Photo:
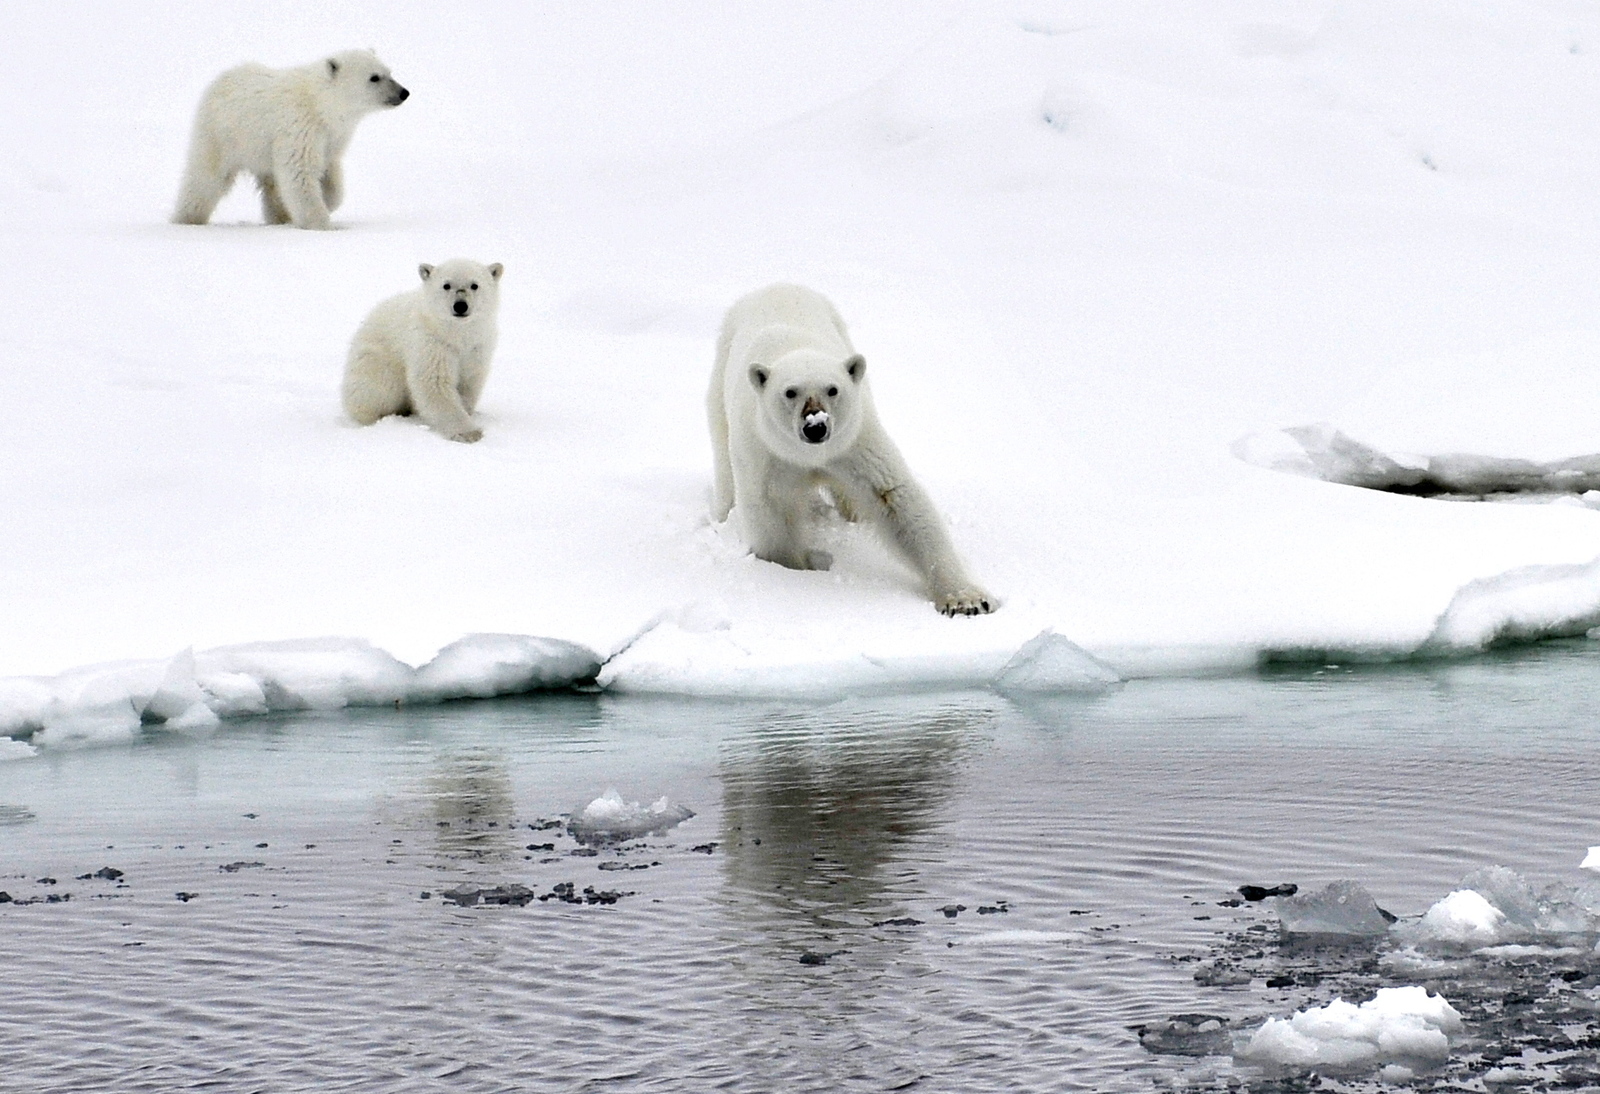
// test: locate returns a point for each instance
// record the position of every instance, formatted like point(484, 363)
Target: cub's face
point(460, 289)
point(365, 80)
point(807, 405)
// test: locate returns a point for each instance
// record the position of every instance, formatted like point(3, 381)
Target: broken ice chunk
point(1344, 907)
point(609, 819)
point(1401, 1026)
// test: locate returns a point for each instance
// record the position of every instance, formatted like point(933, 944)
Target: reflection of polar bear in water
point(790, 416)
point(286, 126)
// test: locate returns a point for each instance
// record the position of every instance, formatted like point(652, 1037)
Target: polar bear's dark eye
point(790, 394)
point(374, 78)
point(474, 286)
point(447, 286)
point(832, 391)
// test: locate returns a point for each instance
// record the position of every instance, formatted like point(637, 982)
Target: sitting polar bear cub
point(427, 351)
point(286, 126)
point(791, 414)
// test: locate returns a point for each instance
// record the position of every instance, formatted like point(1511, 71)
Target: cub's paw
point(965, 602)
point(467, 436)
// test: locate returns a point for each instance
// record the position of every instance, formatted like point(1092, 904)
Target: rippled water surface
point(279, 923)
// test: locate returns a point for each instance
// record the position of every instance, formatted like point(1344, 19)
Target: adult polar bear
point(287, 126)
point(790, 415)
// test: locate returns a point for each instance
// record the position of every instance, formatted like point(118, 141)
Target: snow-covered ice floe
point(1399, 1030)
point(194, 691)
point(609, 819)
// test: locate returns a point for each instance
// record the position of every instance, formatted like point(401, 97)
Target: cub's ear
point(758, 376)
point(857, 367)
point(333, 68)
point(495, 270)
point(425, 270)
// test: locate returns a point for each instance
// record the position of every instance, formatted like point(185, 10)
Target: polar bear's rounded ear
point(856, 366)
point(333, 68)
point(758, 376)
point(495, 270)
point(425, 270)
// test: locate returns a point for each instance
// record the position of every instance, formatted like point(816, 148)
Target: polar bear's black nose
point(461, 307)
point(815, 432)
point(400, 95)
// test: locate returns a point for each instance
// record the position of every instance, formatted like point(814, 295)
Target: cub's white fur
point(427, 351)
point(289, 128)
point(791, 416)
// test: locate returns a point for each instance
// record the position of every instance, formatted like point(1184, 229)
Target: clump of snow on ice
point(1049, 662)
point(481, 666)
point(1495, 907)
point(1591, 861)
point(15, 750)
point(1401, 1028)
point(1522, 604)
point(178, 701)
point(1464, 916)
point(1343, 907)
point(609, 819)
point(316, 673)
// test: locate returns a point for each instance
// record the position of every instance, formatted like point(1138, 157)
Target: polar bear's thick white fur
point(289, 128)
point(791, 418)
point(427, 351)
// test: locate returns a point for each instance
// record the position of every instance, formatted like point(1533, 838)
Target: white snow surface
point(1400, 1026)
point(1085, 246)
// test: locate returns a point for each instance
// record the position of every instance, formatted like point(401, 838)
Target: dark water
point(1109, 829)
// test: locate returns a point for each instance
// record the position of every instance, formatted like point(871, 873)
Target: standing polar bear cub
point(790, 416)
point(289, 128)
point(427, 351)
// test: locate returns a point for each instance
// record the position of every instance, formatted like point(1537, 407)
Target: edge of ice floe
point(195, 691)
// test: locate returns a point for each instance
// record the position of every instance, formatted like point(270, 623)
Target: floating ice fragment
point(1591, 861)
point(1344, 907)
point(1495, 906)
point(1187, 1035)
point(1049, 662)
point(609, 819)
point(1400, 1026)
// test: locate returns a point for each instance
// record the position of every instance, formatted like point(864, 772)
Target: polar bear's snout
point(814, 422)
point(398, 95)
point(461, 308)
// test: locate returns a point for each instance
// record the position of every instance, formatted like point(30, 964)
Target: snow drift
point(1084, 247)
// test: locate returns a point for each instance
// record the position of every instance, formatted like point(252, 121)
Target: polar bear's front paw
point(965, 602)
point(467, 436)
point(818, 560)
